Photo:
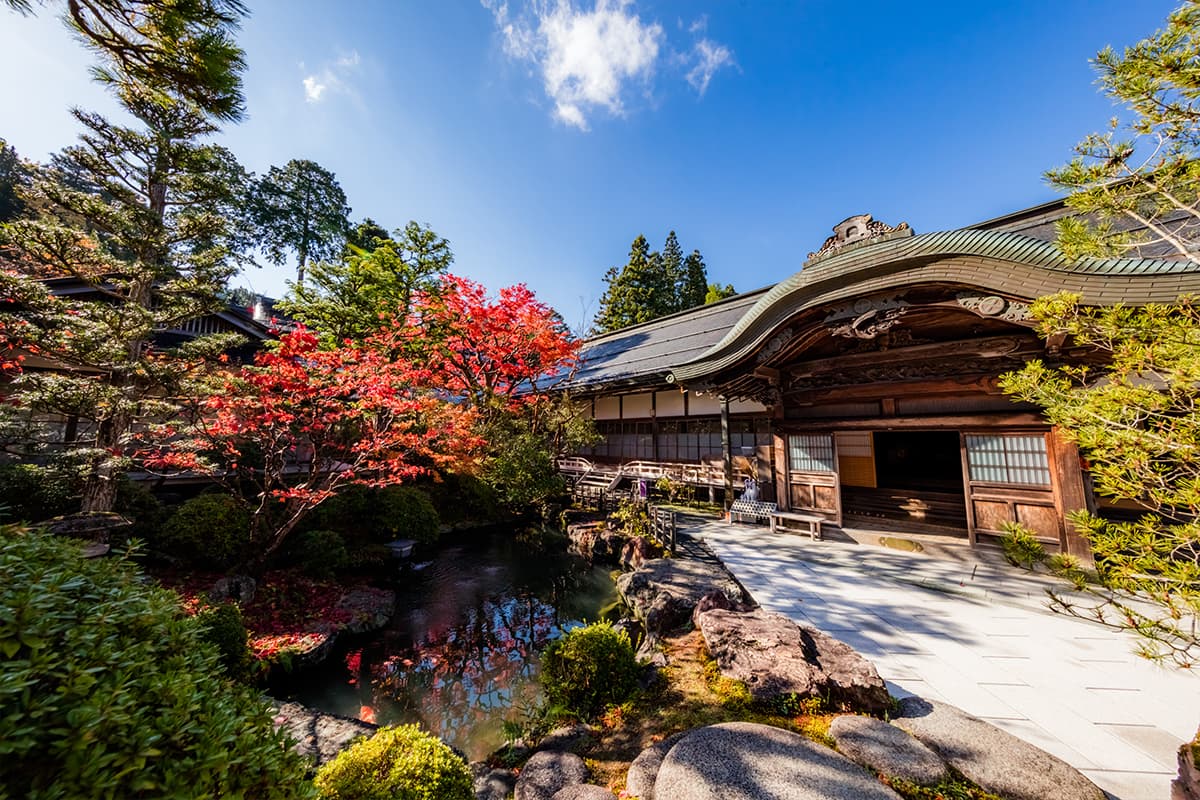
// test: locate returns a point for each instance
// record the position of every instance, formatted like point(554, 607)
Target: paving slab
point(977, 634)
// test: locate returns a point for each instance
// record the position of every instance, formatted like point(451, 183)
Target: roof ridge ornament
point(857, 229)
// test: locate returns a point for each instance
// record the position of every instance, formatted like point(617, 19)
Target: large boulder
point(1186, 785)
point(746, 761)
point(996, 760)
point(317, 735)
point(492, 784)
point(548, 772)
point(873, 743)
point(775, 657)
point(636, 551)
point(639, 782)
point(663, 592)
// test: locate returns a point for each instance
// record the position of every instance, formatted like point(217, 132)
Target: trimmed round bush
point(211, 530)
point(405, 512)
point(400, 763)
point(320, 553)
point(107, 690)
point(590, 669)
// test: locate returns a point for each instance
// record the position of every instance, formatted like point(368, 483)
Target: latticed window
point(810, 452)
point(1008, 459)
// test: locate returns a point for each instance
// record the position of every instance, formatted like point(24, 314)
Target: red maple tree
point(301, 423)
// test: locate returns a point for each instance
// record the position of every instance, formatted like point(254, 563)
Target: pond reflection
point(463, 648)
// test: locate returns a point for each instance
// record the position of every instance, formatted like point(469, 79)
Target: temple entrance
point(916, 478)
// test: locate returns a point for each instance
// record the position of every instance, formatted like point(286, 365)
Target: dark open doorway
point(918, 481)
point(920, 460)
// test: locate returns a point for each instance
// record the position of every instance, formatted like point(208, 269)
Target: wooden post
point(726, 452)
point(1072, 491)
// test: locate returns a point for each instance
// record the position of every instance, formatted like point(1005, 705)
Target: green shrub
point(590, 668)
point(211, 530)
point(1020, 545)
point(106, 689)
point(33, 493)
point(223, 627)
point(139, 505)
point(407, 513)
point(401, 763)
point(320, 553)
point(459, 498)
point(364, 516)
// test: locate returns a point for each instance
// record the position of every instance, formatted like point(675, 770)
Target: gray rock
point(663, 592)
point(1186, 785)
point(238, 588)
point(886, 749)
point(746, 761)
point(317, 735)
point(568, 737)
point(369, 609)
point(995, 759)
point(86, 524)
point(584, 791)
point(548, 772)
point(774, 657)
point(637, 551)
point(492, 784)
point(639, 782)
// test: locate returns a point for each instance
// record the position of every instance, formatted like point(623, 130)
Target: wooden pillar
point(726, 452)
point(1072, 491)
point(783, 493)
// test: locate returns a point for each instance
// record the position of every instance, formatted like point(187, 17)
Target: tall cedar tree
point(301, 208)
point(147, 231)
point(695, 281)
point(651, 285)
point(1142, 173)
point(348, 299)
point(14, 175)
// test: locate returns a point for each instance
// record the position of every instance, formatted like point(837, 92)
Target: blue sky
point(541, 136)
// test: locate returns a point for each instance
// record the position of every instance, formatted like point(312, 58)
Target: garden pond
point(461, 654)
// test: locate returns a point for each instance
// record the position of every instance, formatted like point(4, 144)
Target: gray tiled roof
point(645, 353)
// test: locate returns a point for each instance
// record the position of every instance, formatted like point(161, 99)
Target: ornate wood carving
point(993, 306)
point(859, 228)
point(869, 324)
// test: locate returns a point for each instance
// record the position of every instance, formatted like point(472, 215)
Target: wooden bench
point(754, 509)
point(812, 520)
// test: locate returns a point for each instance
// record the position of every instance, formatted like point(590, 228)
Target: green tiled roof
point(1000, 261)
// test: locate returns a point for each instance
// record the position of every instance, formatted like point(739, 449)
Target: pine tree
point(695, 281)
point(671, 264)
point(143, 220)
point(13, 176)
point(629, 298)
point(301, 207)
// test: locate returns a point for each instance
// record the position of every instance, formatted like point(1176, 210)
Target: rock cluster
point(886, 749)
point(664, 592)
point(775, 657)
point(546, 773)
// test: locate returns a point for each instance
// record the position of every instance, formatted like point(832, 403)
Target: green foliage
point(1142, 171)
point(408, 513)
point(320, 553)
point(1021, 546)
point(106, 689)
point(301, 208)
point(651, 285)
point(356, 295)
point(590, 668)
point(1133, 414)
point(139, 505)
point(33, 493)
point(212, 530)
point(222, 626)
point(398, 763)
point(717, 292)
point(675, 491)
point(631, 517)
point(14, 175)
point(520, 466)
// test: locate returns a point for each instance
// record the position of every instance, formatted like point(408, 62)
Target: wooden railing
point(662, 527)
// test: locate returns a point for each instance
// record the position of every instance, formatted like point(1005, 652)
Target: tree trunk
point(100, 486)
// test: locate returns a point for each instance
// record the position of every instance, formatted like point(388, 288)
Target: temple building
point(865, 386)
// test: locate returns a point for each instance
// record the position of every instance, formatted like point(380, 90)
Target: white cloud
point(585, 57)
point(706, 58)
point(332, 78)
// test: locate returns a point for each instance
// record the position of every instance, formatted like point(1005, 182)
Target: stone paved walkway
point(977, 635)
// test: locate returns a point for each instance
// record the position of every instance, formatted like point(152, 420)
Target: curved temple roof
point(1006, 263)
